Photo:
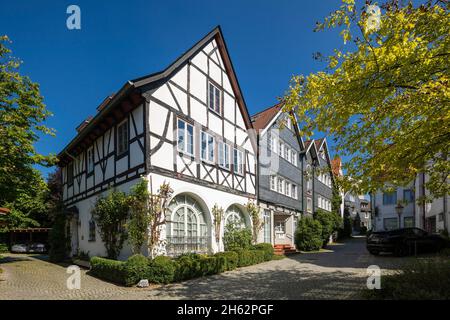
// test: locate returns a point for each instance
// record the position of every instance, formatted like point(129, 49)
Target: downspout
point(302, 155)
point(313, 188)
point(257, 170)
point(423, 200)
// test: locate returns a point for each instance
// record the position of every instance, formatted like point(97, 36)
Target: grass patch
point(419, 279)
point(278, 257)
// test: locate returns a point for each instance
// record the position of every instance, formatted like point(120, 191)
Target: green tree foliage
point(308, 235)
point(384, 99)
point(330, 223)
point(137, 225)
point(110, 213)
point(22, 113)
point(235, 237)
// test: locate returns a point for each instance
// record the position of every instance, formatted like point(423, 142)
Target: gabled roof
point(319, 143)
point(132, 88)
point(336, 165)
point(263, 118)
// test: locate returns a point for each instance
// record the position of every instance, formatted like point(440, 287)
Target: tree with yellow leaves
point(385, 100)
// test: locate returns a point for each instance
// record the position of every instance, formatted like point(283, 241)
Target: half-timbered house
point(187, 125)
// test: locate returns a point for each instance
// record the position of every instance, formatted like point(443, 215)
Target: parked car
point(37, 247)
point(404, 241)
point(31, 248)
point(19, 248)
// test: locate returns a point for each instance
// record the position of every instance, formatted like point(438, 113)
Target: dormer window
point(215, 98)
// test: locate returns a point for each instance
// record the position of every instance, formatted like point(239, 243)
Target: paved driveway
point(338, 273)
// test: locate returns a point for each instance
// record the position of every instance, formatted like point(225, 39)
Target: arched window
point(235, 216)
point(187, 230)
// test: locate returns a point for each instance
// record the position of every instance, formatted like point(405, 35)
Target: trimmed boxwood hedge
point(164, 269)
point(267, 248)
point(250, 257)
point(161, 270)
point(107, 269)
point(231, 259)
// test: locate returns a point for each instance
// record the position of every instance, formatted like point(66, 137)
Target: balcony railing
point(176, 245)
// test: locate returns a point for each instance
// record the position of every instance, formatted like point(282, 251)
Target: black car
point(404, 241)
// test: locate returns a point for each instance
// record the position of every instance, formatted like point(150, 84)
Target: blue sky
point(269, 41)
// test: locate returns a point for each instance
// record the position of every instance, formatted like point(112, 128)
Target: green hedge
point(3, 248)
point(136, 268)
point(231, 259)
point(249, 257)
point(267, 248)
point(107, 269)
point(162, 270)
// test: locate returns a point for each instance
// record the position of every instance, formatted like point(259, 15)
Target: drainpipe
point(303, 182)
point(423, 201)
point(313, 188)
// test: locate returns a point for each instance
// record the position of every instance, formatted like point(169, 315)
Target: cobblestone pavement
point(338, 273)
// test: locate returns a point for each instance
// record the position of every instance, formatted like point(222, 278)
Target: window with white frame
point(287, 188)
point(185, 142)
point(224, 155)
point(273, 143)
point(90, 160)
point(287, 152)
point(215, 98)
point(273, 183)
point(309, 204)
point(294, 191)
point(280, 183)
point(122, 137)
point(238, 161)
point(289, 123)
point(281, 148)
point(294, 157)
point(308, 178)
point(207, 147)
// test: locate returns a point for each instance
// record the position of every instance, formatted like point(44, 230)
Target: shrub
point(3, 248)
point(428, 279)
point(308, 235)
point(267, 248)
point(161, 270)
point(187, 267)
point(107, 269)
point(137, 268)
point(363, 230)
point(249, 257)
point(237, 238)
point(208, 266)
point(58, 239)
point(327, 222)
point(231, 259)
point(346, 231)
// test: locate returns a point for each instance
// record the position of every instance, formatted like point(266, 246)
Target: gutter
point(128, 85)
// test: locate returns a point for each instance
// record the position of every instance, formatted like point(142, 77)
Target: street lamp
point(399, 209)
